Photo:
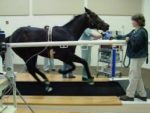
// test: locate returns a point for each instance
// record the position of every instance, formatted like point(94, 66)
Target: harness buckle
point(63, 46)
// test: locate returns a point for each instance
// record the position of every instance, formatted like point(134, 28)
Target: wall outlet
point(7, 22)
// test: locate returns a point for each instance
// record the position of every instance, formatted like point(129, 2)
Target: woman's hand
point(96, 34)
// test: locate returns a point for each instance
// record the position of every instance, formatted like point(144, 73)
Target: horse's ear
point(87, 10)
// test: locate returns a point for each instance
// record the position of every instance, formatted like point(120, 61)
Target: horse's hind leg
point(41, 74)
point(46, 81)
point(31, 66)
point(31, 69)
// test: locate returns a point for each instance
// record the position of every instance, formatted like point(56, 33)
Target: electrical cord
point(124, 61)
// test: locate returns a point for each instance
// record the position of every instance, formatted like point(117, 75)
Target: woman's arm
point(123, 37)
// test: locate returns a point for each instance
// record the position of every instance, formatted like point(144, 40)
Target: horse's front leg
point(77, 59)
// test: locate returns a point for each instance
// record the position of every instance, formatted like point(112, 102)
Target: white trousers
point(135, 78)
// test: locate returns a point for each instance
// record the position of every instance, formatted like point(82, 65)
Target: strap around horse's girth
point(50, 38)
point(49, 32)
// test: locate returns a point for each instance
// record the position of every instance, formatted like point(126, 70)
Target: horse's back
point(61, 34)
point(33, 34)
point(29, 34)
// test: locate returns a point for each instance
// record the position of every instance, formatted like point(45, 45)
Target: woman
point(137, 51)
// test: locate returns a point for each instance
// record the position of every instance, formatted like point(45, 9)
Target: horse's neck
point(78, 26)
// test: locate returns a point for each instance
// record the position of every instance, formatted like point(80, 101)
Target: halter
point(91, 22)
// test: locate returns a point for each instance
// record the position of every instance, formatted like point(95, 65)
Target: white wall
point(116, 23)
point(146, 12)
point(146, 9)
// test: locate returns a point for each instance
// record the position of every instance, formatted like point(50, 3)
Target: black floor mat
point(71, 89)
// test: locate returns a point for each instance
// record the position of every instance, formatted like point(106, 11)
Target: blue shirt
point(87, 35)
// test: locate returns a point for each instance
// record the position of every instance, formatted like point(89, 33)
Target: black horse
point(68, 32)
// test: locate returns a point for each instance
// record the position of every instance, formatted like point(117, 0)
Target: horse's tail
point(3, 53)
point(7, 39)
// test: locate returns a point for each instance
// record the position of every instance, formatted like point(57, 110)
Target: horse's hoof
point(71, 76)
point(47, 86)
point(48, 89)
point(88, 78)
point(90, 81)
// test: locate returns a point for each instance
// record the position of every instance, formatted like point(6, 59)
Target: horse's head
point(95, 22)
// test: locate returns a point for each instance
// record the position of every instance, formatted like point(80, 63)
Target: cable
point(126, 66)
point(48, 38)
point(35, 55)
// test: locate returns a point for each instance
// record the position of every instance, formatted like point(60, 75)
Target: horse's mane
point(73, 20)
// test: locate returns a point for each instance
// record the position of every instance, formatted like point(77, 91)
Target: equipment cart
point(105, 60)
